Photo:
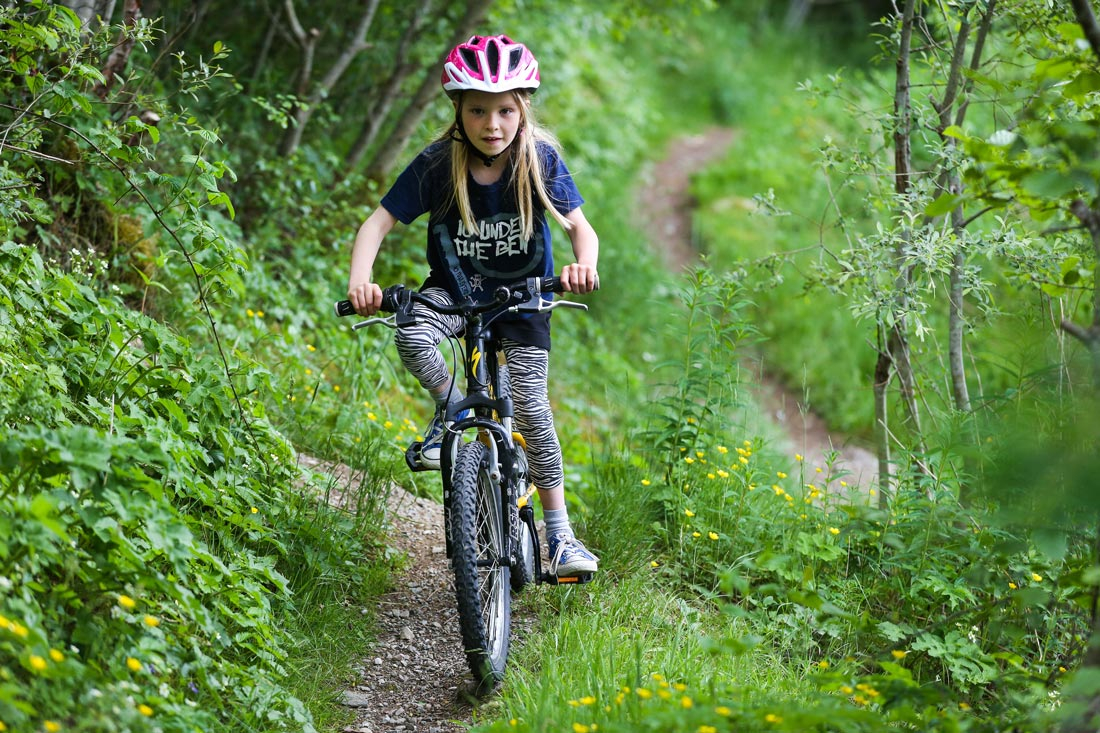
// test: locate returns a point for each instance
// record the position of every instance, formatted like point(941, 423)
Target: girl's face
point(491, 120)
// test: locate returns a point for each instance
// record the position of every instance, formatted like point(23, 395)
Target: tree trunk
point(882, 429)
point(893, 356)
point(797, 12)
point(265, 49)
point(387, 154)
point(1089, 336)
point(1090, 217)
point(116, 62)
point(384, 97)
point(293, 137)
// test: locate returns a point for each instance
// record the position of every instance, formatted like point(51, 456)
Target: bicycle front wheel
point(480, 562)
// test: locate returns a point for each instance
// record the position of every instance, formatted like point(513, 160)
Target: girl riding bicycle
point(488, 184)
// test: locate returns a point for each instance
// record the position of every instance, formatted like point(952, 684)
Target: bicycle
point(489, 523)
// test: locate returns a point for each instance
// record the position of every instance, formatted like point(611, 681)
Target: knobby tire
point(479, 561)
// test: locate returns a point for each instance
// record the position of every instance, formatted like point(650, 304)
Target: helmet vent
point(514, 58)
point(492, 51)
point(470, 57)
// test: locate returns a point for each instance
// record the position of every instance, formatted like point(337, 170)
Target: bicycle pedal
point(579, 579)
point(413, 459)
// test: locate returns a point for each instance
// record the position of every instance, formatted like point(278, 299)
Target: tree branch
point(1087, 20)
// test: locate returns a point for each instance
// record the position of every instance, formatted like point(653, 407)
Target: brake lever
point(387, 321)
point(538, 305)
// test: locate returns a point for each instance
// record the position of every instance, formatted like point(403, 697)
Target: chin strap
point(458, 134)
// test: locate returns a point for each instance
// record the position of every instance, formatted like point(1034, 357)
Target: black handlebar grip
point(343, 308)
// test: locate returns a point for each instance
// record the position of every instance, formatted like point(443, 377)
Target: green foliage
point(165, 561)
point(145, 523)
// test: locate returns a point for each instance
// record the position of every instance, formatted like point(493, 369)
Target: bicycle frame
point(492, 411)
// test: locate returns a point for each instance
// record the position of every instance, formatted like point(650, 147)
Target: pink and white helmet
point(490, 64)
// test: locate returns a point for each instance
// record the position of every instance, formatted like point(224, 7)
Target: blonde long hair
point(528, 177)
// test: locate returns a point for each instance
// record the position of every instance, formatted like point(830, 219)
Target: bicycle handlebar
point(397, 298)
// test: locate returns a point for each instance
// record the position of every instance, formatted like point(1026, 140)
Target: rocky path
point(415, 678)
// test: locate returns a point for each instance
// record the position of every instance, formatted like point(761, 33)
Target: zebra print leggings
point(528, 368)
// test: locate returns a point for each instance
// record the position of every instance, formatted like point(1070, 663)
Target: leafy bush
point(153, 519)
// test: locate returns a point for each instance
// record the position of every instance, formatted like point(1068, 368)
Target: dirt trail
point(415, 678)
point(666, 204)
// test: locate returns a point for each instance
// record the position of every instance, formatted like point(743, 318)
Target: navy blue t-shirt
point(473, 264)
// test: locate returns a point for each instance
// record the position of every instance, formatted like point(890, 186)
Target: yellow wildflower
point(773, 718)
point(38, 664)
point(57, 656)
point(780, 474)
point(686, 702)
point(689, 513)
point(51, 726)
point(1036, 577)
point(152, 621)
point(723, 710)
point(723, 474)
point(127, 602)
point(696, 534)
point(707, 729)
point(798, 457)
point(643, 693)
point(898, 654)
point(723, 449)
point(823, 664)
point(645, 482)
point(145, 710)
point(712, 535)
point(834, 531)
point(133, 664)
point(1012, 586)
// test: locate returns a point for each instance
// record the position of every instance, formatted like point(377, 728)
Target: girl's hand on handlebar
point(366, 297)
point(580, 279)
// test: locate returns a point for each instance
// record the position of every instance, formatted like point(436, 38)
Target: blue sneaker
point(433, 439)
point(568, 557)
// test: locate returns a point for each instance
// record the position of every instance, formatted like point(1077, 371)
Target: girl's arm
point(581, 276)
point(364, 294)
